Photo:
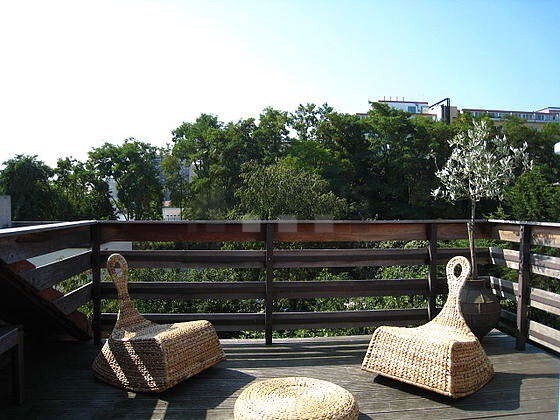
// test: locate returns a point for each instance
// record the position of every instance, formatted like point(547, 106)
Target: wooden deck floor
point(60, 383)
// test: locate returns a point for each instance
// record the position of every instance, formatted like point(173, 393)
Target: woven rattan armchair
point(143, 356)
point(443, 355)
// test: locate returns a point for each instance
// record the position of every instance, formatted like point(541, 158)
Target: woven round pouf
point(295, 398)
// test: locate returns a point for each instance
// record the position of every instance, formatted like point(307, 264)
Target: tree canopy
point(134, 168)
point(382, 164)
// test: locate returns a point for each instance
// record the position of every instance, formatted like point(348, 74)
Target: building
point(533, 118)
point(170, 213)
point(439, 111)
point(413, 107)
point(419, 108)
point(444, 111)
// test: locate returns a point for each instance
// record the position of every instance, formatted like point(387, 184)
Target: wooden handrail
point(42, 228)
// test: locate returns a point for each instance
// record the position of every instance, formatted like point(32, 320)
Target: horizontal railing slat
point(305, 258)
point(347, 319)
point(503, 288)
point(188, 290)
point(350, 288)
point(540, 299)
point(290, 320)
point(544, 335)
point(48, 275)
point(543, 265)
point(365, 231)
point(545, 300)
point(539, 333)
point(347, 257)
point(546, 236)
point(299, 258)
point(281, 289)
point(348, 231)
point(284, 231)
point(182, 231)
point(540, 235)
point(75, 299)
point(221, 321)
point(190, 258)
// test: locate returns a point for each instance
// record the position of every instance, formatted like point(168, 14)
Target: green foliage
point(383, 165)
point(307, 118)
point(176, 180)
point(272, 135)
point(27, 180)
point(134, 168)
point(405, 153)
point(283, 189)
point(83, 193)
point(218, 152)
point(540, 143)
point(534, 196)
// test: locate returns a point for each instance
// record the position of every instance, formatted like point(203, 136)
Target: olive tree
point(480, 166)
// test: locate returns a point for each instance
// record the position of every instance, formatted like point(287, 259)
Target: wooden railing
point(526, 262)
point(283, 245)
point(272, 236)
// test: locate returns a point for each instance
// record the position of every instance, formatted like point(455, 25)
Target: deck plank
point(60, 383)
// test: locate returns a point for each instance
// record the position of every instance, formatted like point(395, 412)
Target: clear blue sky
point(75, 74)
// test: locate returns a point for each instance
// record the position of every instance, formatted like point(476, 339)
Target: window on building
point(412, 109)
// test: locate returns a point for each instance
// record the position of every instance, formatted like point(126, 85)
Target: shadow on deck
point(60, 383)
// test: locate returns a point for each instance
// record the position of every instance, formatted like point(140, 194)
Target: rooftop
point(526, 383)
point(402, 101)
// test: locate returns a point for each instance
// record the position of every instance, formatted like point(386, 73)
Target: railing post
point(523, 286)
point(431, 234)
point(96, 279)
point(269, 297)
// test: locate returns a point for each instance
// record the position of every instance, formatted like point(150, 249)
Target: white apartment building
point(438, 111)
point(413, 107)
point(545, 115)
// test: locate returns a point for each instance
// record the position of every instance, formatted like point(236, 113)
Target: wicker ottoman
point(295, 398)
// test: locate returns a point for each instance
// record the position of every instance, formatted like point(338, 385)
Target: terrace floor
point(60, 383)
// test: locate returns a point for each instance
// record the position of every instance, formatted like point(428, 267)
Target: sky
point(75, 74)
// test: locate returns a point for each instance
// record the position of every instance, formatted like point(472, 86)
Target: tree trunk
point(471, 230)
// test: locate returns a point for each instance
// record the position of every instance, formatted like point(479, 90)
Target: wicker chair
point(142, 356)
point(443, 355)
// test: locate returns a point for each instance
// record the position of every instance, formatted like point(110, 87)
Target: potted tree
point(480, 166)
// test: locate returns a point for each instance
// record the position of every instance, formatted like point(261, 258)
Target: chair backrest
point(450, 315)
point(118, 270)
point(456, 282)
point(128, 316)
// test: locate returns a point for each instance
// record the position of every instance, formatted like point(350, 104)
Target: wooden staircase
point(28, 296)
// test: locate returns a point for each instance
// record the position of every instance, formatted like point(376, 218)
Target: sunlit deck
point(60, 383)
